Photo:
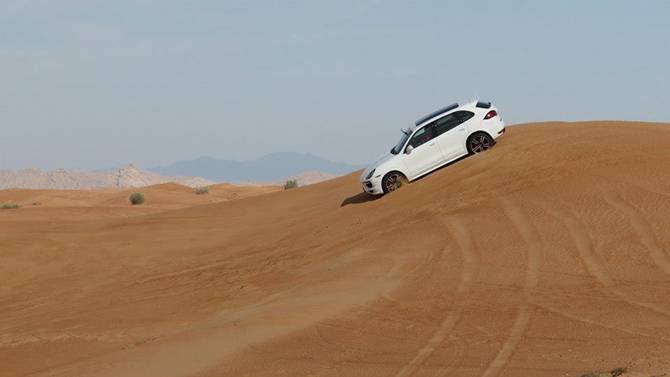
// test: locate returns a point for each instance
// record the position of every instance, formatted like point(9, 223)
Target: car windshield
point(401, 143)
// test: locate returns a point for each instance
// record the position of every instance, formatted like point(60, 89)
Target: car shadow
point(360, 198)
point(365, 197)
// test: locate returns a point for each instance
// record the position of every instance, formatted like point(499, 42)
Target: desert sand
point(545, 256)
point(61, 206)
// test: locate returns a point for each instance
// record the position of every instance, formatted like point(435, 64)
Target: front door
point(426, 153)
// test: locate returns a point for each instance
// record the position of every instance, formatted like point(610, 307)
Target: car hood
point(377, 163)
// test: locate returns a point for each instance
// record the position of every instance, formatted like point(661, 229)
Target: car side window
point(464, 116)
point(446, 123)
point(421, 136)
point(452, 120)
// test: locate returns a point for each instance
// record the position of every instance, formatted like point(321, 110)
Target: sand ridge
point(546, 255)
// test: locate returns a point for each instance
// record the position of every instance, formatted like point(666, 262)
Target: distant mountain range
point(64, 179)
point(272, 169)
point(269, 168)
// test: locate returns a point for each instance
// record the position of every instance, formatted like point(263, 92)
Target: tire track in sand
point(593, 263)
point(524, 225)
point(594, 322)
point(469, 275)
point(643, 229)
point(398, 264)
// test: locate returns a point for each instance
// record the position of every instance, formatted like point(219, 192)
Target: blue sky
point(94, 84)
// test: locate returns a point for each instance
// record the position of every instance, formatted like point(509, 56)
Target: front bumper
point(372, 186)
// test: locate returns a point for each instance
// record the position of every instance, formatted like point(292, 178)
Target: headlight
point(370, 175)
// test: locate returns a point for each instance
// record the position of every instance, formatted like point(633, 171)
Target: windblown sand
point(546, 256)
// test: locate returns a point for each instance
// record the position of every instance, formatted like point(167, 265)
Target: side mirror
point(409, 149)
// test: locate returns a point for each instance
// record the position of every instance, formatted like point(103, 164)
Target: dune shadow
point(360, 198)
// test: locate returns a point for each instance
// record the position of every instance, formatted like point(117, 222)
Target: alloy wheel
point(480, 143)
point(393, 182)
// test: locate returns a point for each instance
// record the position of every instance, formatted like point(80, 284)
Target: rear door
point(452, 130)
point(426, 153)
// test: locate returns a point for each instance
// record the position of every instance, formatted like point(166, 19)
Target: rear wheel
point(479, 142)
point(393, 181)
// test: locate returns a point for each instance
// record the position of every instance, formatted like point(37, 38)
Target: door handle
point(431, 144)
point(462, 129)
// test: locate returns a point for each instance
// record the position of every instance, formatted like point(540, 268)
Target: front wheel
point(392, 181)
point(479, 142)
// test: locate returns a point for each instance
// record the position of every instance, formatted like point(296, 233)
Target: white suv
point(466, 127)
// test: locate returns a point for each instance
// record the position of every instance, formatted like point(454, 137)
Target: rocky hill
point(128, 176)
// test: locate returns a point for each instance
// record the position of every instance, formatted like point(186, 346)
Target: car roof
point(435, 114)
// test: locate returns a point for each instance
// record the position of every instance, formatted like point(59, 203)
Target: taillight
point(490, 114)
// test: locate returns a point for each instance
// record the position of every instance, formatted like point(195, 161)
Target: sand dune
point(304, 179)
point(40, 206)
point(545, 256)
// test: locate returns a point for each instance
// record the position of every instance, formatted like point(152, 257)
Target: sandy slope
point(546, 256)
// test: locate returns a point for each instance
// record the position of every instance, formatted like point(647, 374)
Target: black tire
point(392, 181)
point(479, 142)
